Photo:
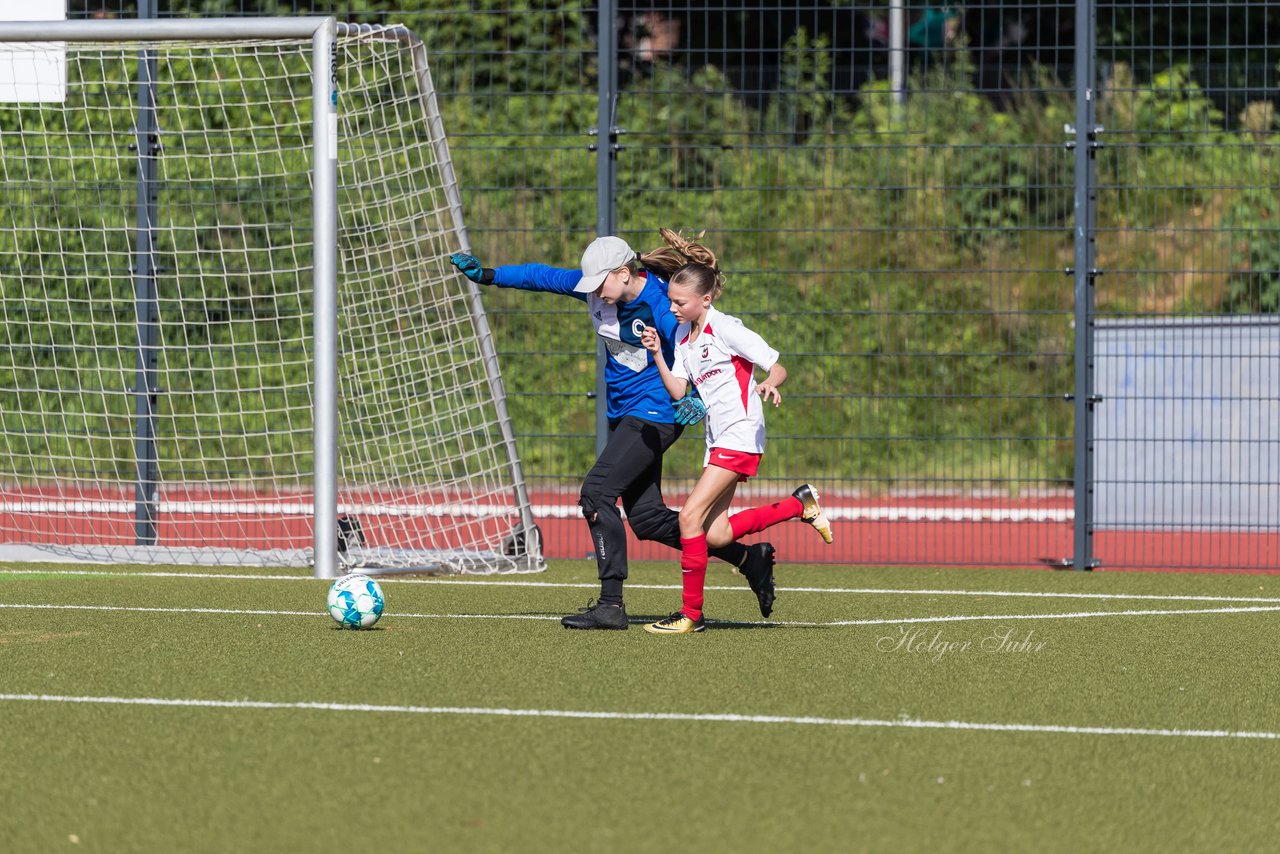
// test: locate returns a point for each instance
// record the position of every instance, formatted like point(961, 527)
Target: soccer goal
point(230, 332)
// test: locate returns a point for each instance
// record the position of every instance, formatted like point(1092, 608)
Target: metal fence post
point(606, 176)
point(1084, 272)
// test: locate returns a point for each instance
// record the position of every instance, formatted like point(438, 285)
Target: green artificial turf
point(112, 777)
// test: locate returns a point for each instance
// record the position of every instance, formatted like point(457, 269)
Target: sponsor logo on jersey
point(708, 375)
point(628, 355)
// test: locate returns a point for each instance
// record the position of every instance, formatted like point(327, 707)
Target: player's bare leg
point(712, 494)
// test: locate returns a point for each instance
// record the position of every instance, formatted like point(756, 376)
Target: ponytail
point(678, 252)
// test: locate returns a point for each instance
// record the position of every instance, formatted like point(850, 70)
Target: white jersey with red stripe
point(720, 363)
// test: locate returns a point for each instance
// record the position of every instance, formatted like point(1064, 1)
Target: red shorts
point(744, 463)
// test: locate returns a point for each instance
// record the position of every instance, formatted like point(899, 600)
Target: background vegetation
point(907, 259)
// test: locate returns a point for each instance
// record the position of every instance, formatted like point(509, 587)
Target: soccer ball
point(355, 601)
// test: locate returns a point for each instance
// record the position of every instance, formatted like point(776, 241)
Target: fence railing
point(1022, 259)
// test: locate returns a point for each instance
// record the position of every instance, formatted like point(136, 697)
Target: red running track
point(920, 530)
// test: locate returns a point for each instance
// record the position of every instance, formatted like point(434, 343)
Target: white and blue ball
point(355, 601)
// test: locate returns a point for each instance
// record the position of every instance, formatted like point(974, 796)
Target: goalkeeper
point(624, 293)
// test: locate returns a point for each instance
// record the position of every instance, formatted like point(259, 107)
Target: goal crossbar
point(168, 29)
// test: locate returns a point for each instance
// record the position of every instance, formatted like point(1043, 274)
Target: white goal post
point(231, 334)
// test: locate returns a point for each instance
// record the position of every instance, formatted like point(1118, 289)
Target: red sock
point(756, 519)
point(693, 573)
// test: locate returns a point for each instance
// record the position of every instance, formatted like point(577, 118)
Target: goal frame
point(323, 32)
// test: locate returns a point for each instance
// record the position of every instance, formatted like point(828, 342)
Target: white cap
point(603, 256)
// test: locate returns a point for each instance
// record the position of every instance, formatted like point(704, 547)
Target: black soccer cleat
point(758, 569)
point(597, 615)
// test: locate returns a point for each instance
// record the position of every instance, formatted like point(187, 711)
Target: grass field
point(875, 712)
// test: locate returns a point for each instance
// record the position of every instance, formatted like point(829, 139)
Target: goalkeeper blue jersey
point(632, 383)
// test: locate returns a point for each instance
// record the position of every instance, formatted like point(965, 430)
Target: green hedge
point(906, 261)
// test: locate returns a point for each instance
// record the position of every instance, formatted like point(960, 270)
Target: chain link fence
point(1021, 259)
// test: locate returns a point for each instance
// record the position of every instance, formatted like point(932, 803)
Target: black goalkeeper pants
point(630, 468)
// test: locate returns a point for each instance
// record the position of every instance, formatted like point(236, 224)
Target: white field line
point(480, 582)
point(948, 618)
point(1065, 616)
point(302, 508)
point(900, 723)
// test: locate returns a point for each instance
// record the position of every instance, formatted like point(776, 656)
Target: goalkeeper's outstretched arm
point(525, 277)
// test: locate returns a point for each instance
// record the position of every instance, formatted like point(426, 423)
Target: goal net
point(219, 346)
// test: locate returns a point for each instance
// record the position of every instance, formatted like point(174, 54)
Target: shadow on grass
point(731, 624)
point(638, 620)
point(641, 619)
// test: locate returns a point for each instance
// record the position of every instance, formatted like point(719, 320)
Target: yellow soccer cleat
point(676, 624)
point(811, 511)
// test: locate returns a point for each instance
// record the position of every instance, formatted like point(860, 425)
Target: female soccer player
point(625, 292)
point(718, 355)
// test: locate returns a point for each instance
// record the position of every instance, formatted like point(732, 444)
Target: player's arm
point(689, 408)
point(768, 387)
point(525, 277)
point(676, 386)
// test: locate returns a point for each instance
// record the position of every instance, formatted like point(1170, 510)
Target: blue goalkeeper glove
point(690, 409)
point(469, 266)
